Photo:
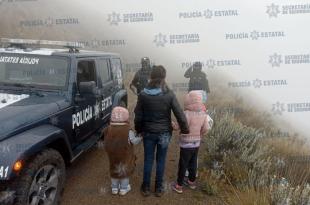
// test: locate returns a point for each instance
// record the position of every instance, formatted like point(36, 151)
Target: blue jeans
point(119, 183)
point(160, 142)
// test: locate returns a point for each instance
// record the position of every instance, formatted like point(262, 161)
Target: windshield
point(33, 70)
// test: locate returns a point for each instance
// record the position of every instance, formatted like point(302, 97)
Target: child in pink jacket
point(197, 119)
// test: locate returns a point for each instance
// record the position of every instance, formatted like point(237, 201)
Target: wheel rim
point(44, 186)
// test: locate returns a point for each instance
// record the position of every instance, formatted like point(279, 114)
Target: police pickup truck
point(54, 105)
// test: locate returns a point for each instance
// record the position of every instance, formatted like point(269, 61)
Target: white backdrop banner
point(259, 49)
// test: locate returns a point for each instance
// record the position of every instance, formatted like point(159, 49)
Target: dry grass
point(260, 165)
point(255, 169)
point(247, 197)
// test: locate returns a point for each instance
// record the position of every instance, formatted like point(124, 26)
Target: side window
point(117, 71)
point(2, 72)
point(104, 70)
point(86, 71)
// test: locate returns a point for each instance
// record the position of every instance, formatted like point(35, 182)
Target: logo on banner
point(208, 14)
point(254, 35)
point(278, 108)
point(213, 64)
point(276, 60)
point(49, 22)
point(116, 18)
point(161, 40)
point(96, 43)
point(274, 10)
point(257, 83)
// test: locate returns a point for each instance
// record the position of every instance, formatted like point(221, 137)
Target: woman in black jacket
point(153, 121)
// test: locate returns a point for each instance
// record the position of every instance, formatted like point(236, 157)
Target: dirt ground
point(88, 182)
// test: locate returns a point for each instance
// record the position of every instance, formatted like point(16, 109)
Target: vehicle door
point(106, 89)
point(83, 118)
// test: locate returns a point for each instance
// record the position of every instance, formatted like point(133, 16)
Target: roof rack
point(25, 43)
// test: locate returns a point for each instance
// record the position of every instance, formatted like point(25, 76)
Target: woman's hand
point(175, 125)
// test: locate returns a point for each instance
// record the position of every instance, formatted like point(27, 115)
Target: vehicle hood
point(20, 110)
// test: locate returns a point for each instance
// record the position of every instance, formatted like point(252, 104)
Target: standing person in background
point(197, 78)
point(141, 77)
point(153, 121)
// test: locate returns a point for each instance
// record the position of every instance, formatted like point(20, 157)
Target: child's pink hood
point(193, 101)
point(119, 115)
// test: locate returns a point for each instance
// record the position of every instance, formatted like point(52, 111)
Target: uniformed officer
point(141, 77)
point(197, 78)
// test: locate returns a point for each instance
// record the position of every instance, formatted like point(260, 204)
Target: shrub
point(256, 169)
point(239, 151)
point(210, 184)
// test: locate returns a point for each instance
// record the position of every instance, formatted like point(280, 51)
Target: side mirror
point(88, 88)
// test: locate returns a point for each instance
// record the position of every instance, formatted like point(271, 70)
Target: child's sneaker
point(190, 184)
point(177, 188)
point(114, 191)
point(123, 192)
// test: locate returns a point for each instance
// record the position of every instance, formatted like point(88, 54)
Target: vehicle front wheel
point(42, 180)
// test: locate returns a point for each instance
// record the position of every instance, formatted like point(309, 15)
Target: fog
point(257, 49)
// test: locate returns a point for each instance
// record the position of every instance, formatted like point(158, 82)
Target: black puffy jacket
point(153, 111)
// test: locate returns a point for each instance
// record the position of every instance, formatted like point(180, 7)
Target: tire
point(42, 180)
point(123, 104)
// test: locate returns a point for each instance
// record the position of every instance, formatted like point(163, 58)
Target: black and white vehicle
point(54, 105)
